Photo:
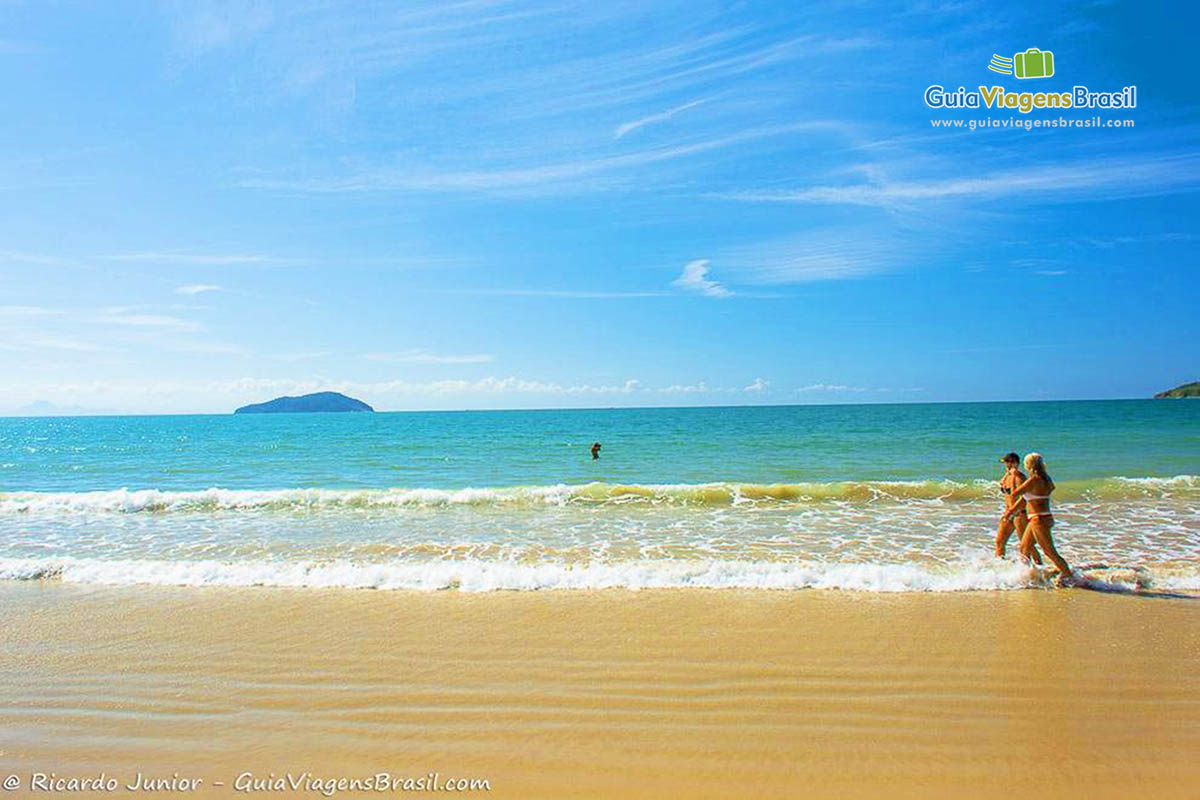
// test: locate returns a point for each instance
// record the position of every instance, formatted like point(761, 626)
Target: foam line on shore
point(130, 501)
point(475, 575)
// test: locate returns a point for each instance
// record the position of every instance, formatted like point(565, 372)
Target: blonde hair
point(1036, 465)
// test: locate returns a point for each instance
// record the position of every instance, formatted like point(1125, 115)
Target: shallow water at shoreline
point(867, 498)
point(924, 545)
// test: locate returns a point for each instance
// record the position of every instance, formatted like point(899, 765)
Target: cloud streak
point(629, 127)
point(830, 387)
point(695, 279)
point(1091, 180)
point(191, 290)
point(152, 321)
point(568, 294)
point(827, 254)
point(572, 176)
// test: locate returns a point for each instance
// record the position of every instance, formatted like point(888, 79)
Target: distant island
point(320, 401)
point(1186, 390)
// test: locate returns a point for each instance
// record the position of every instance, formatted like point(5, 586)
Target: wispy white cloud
point(492, 385)
point(695, 279)
point(107, 329)
point(525, 124)
point(567, 175)
point(529, 73)
point(427, 357)
point(841, 388)
point(155, 321)
point(831, 387)
point(193, 289)
point(32, 328)
point(1151, 238)
point(1097, 179)
point(686, 388)
point(581, 294)
point(735, 57)
point(628, 127)
point(758, 386)
point(461, 388)
point(168, 394)
point(827, 254)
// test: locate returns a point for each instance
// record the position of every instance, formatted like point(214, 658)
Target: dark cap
point(1009, 458)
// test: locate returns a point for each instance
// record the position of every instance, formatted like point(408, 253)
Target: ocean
point(873, 498)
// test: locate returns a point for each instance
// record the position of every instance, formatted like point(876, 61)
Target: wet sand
point(668, 693)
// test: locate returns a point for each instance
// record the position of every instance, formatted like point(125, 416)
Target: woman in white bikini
point(1013, 477)
point(1036, 490)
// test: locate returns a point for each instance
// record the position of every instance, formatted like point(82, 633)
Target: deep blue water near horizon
point(753, 444)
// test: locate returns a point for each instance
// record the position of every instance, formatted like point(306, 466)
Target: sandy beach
point(606, 694)
point(565, 400)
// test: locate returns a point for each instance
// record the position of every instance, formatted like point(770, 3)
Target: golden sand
point(668, 693)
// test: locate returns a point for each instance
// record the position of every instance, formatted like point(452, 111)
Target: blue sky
point(507, 204)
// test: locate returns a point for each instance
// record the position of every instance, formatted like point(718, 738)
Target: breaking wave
point(477, 575)
point(128, 501)
point(482, 576)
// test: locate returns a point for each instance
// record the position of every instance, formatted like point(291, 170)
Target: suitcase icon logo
point(1033, 63)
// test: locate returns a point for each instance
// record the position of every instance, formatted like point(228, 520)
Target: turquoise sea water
point(781, 444)
point(863, 497)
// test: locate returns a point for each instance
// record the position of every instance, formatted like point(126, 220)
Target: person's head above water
point(1010, 460)
point(1036, 465)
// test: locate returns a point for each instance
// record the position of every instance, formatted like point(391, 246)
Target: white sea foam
point(481, 576)
point(139, 500)
point(720, 493)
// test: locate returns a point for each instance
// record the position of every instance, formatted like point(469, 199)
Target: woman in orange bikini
point(1013, 477)
point(1036, 490)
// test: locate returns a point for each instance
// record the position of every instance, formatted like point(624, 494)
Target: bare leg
point(1026, 544)
point(1002, 533)
point(1041, 532)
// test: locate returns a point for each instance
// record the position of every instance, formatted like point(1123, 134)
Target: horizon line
point(594, 408)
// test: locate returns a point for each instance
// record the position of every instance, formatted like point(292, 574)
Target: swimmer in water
point(596, 451)
point(1013, 477)
point(1036, 491)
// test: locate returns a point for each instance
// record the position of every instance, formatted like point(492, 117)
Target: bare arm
point(1023, 488)
point(1014, 505)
